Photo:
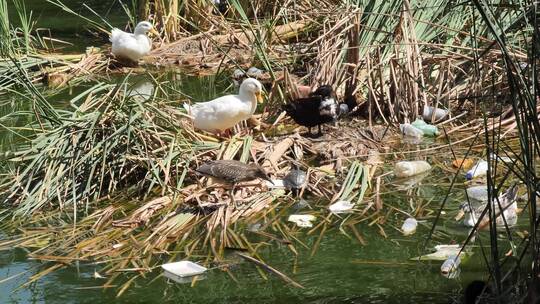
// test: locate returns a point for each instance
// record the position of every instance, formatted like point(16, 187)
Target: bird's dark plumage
point(318, 109)
point(232, 171)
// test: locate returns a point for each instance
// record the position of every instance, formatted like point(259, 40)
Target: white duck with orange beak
point(132, 46)
point(225, 112)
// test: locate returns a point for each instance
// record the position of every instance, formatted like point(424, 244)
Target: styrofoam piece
point(302, 220)
point(184, 268)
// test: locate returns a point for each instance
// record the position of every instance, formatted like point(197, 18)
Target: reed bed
point(110, 182)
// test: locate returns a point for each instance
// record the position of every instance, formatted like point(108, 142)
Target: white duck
point(225, 112)
point(132, 46)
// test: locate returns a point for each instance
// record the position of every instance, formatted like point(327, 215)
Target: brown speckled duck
point(232, 171)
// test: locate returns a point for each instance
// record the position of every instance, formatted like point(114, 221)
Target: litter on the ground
point(341, 207)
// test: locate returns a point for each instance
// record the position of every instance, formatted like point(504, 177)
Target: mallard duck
point(318, 109)
point(132, 46)
point(232, 172)
point(225, 112)
point(507, 203)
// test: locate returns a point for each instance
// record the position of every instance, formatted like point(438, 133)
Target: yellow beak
point(153, 31)
point(259, 97)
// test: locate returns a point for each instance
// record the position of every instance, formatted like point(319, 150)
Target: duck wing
point(305, 111)
point(227, 170)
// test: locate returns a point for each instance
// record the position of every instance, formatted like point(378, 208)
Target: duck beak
point(154, 31)
point(460, 214)
point(259, 97)
point(266, 177)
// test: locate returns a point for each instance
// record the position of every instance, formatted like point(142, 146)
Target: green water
point(341, 271)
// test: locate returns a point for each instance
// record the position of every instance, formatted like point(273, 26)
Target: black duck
point(317, 109)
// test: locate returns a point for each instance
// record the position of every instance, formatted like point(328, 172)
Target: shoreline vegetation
point(109, 179)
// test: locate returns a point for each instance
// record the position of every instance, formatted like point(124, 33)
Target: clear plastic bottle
point(427, 129)
point(439, 113)
point(410, 130)
point(410, 168)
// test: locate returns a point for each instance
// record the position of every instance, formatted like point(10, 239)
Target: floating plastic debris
point(428, 113)
point(480, 169)
point(183, 269)
point(410, 168)
point(302, 220)
point(341, 207)
point(427, 129)
point(410, 130)
point(450, 265)
point(443, 252)
point(409, 226)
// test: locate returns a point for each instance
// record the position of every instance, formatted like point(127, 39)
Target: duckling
point(318, 109)
point(509, 210)
point(132, 46)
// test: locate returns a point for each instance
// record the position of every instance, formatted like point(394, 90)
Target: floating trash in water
point(302, 220)
point(183, 269)
point(410, 130)
point(479, 193)
point(410, 168)
point(409, 226)
point(443, 252)
point(451, 264)
point(427, 129)
point(480, 169)
point(341, 207)
point(428, 114)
